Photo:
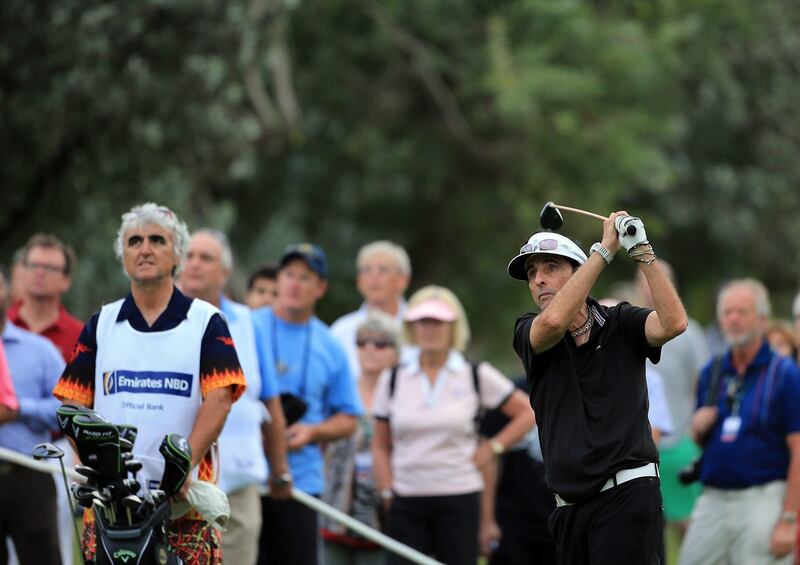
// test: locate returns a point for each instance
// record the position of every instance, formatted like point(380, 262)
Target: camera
point(691, 472)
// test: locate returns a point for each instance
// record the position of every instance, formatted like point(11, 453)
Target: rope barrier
point(371, 534)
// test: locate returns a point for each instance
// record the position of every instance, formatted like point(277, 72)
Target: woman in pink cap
point(427, 460)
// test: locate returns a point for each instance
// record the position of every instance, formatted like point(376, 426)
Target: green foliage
point(444, 126)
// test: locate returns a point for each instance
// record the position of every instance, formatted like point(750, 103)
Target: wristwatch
point(600, 249)
point(789, 517)
point(282, 480)
point(387, 494)
point(497, 447)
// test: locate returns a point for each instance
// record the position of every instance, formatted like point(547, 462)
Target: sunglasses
point(378, 343)
point(543, 245)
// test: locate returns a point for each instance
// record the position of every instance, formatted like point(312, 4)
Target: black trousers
point(445, 527)
point(28, 515)
point(288, 533)
point(623, 525)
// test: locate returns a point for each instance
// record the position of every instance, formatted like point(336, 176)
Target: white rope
point(392, 545)
point(24, 461)
point(371, 534)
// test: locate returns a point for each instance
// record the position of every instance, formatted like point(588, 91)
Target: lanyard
point(736, 390)
point(282, 367)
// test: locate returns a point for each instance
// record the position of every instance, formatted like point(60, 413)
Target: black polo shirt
point(591, 401)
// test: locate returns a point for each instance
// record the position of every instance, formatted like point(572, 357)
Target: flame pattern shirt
point(219, 363)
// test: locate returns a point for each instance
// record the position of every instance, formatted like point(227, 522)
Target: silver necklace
point(584, 328)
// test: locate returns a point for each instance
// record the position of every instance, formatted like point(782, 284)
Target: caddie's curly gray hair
point(151, 214)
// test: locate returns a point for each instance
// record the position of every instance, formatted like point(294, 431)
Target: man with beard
point(751, 431)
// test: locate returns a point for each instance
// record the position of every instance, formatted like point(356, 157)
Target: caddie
point(161, 361)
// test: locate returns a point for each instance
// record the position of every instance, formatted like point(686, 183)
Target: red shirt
point(63, 333)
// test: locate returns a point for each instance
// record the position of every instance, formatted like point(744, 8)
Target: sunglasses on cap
point(378, 343)
point(543, 245)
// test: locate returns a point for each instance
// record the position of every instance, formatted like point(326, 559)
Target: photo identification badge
point(730, 428)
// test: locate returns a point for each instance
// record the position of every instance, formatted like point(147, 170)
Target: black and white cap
point(544, 242)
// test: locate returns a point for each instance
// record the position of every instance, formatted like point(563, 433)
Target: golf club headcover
point(66, 413)
point(97, 441)
point(177, 462)
point(631, 231)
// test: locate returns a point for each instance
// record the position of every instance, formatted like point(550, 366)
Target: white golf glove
point(624, 225)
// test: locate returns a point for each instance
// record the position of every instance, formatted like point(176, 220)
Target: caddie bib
point(150, 380)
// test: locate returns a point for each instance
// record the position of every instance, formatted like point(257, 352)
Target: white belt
point(648, 470)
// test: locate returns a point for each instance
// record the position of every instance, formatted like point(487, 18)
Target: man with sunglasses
point(585, 365)
point(318, 394)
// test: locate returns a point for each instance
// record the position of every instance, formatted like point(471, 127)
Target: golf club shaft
point(579, 211)
point(72, 509)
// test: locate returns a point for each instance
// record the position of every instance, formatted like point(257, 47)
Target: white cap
point(544, 242)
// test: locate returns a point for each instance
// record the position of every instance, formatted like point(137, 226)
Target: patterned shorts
point(194, 541)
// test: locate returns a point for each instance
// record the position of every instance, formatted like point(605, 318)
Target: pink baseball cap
point(434, 308)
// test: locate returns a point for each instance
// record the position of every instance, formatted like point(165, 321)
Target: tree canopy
point(444, 126)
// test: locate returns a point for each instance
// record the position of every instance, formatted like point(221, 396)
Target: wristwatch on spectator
point(497, 447)
point(387, 494)
point(789, 516)
point(282, 479)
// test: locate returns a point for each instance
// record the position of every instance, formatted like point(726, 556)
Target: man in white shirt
point(383, 273)
point(208, 265)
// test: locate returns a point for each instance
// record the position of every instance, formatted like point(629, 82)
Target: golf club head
point(128, 432)
point(125, 445)
point(132, 485)
point(133, 466)
point(131, 501)
point(177, 462)
point(550, 217)
point(88, 472)
point(47, 451)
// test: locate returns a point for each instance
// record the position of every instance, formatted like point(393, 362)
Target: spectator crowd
point(382, 414)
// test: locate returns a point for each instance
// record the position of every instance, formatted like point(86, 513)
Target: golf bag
point(131, 523)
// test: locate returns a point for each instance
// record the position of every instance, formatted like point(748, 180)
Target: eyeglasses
point(379, 269)
point(543, 245)
point(378, 343)
point(49, 269)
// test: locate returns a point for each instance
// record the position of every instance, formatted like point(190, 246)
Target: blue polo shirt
point(309, 362)
point(35, 365)
point(768, 407)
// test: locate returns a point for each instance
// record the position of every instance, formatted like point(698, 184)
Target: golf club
point(550, 217)
point(130, 503)
point(50, 451)
point(127, 432)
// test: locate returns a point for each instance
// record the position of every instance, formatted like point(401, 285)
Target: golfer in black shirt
point(585, 365)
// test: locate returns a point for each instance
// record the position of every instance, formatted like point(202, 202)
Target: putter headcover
point(177, 462)
point(544, 242)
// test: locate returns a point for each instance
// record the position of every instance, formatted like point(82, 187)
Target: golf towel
point(208, 500)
